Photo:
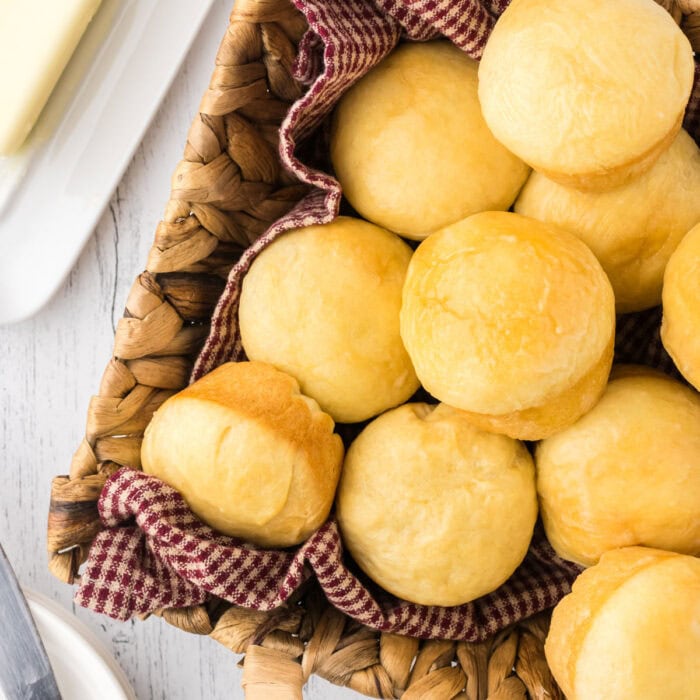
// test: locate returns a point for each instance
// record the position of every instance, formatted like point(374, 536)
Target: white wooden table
point(52, 363)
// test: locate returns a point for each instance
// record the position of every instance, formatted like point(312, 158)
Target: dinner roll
point(510, 319)
point(626, 473)
point(630, 628)
point(680, 330)
point(252, 456)
point(322, 303)
point(588, 92)
point(411, 148)
point(433, 509)
point(632, 229)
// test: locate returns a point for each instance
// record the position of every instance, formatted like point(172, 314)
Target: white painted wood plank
point(51, 364)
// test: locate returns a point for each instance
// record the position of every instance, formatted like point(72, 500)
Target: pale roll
point(627, 473)
point(680, 330)
point(322, 303)
point(630, 629)
point(511, 320)
point(433, 509)
point(588, 92)
point(632, 229)
point(252, 456)
point(411, 148)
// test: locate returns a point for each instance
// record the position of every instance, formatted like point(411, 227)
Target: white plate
point(84, 670)
point(58, 185)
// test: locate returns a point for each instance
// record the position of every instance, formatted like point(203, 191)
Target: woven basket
point(226, 191)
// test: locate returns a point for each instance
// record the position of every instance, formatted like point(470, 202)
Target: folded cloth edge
point(156, 553)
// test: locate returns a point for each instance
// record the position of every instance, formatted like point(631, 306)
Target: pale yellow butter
point(37, 39)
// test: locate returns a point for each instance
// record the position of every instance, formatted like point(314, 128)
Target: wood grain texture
point(50, 366)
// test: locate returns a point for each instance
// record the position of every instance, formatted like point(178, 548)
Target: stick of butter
point(37, 39)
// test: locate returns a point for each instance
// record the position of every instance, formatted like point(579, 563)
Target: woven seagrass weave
point(226, 191)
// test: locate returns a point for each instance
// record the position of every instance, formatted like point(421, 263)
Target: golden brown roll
point(627, 473)
point(589, 93)
point(322, 303)
point(632, 229)
point(680, 330)
point(511, 320)
point(433, 509)
point(629, 629)
point(411, 148)
point(252, 456)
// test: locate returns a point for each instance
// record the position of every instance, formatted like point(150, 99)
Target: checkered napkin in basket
point(168, 558)
point(154, 552)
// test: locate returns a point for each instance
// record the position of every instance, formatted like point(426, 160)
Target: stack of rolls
point(548, 188)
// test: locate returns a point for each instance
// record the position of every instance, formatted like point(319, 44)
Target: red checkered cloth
point(168, 558)
point(154, 552)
